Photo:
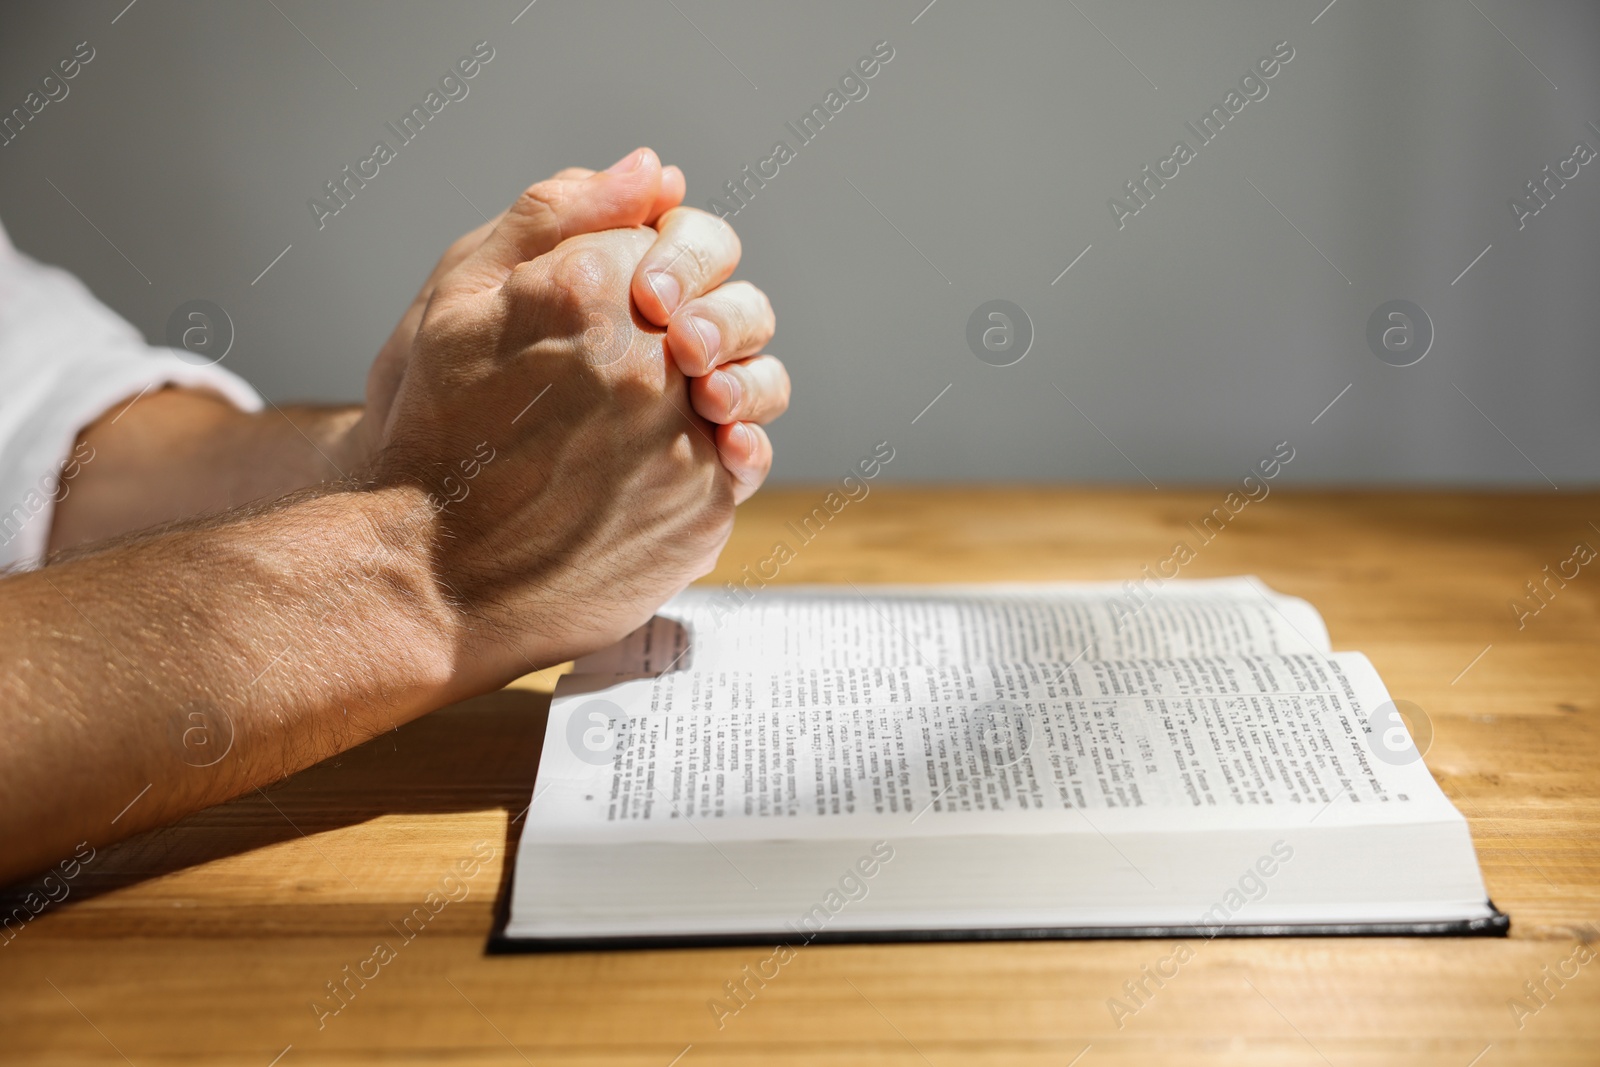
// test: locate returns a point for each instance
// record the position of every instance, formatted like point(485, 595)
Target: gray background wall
point(1191, 341)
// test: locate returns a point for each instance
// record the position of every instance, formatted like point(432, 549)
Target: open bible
point(1069, 760)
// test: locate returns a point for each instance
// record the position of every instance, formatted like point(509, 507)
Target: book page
point(968, 749)
point(849, 626)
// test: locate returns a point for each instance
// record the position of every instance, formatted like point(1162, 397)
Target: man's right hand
point(570, 486)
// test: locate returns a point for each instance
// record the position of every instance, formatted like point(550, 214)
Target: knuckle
point(542, 204)
point(690, 257)
point(548, 195)
point(736, 320)
point(682, 453)
point(528, 283)
point(444, 323)
point(581, 270)
point(731, 236)
point(780, 389)
point(762, 397)
point(743, 312)
point(717, 225)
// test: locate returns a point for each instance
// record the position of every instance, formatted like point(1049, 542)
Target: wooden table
point(209, 942)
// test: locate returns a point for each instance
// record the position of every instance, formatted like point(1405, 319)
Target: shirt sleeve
point(65, 360)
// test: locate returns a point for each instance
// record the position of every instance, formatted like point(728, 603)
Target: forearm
point(187, 667)
point(177, 454)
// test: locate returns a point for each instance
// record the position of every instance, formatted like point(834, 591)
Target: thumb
point(547, 213)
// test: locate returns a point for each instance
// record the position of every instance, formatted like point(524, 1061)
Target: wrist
point(392, 538)
point(458, 625)
point(345, 580)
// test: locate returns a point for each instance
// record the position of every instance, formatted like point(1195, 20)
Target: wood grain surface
point(213, 941)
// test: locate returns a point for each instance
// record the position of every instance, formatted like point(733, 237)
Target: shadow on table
point(480, 754)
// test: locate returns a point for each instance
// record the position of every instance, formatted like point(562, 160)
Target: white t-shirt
point(66, 359)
